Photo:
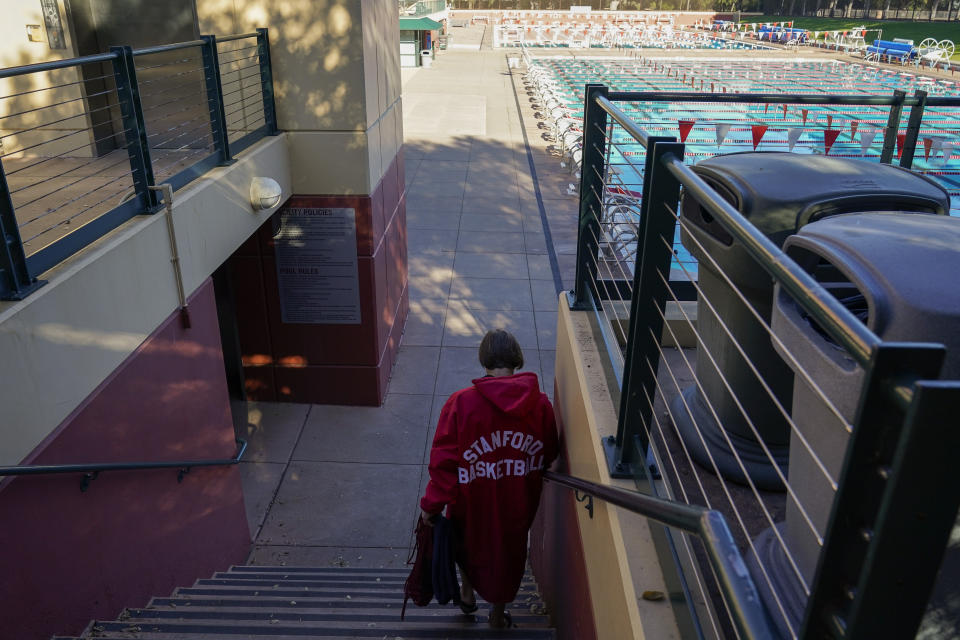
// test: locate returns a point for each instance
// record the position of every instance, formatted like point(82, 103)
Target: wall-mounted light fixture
point(265, 193)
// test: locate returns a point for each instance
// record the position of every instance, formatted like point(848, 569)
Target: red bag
point(419, 585)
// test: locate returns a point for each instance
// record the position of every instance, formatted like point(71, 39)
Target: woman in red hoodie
point(493, 441)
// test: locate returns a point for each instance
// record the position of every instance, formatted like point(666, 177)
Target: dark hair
point(500, 350)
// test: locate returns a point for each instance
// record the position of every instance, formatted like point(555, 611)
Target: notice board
point(317, 274)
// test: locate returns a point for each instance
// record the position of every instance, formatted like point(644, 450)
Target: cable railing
point(820, 457)
point(84, 140)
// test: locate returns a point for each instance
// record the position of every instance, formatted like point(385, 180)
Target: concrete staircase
point(303, 602)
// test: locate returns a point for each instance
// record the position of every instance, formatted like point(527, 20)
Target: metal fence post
point(895, 505)
point(893, 127)
point(592, 175)
point(266, 82)
point(913, 129)
point(138, 148)
point(661, 192)
point(218, 119)
point(16, 283)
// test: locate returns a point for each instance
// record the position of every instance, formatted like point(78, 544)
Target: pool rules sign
point(317, 266)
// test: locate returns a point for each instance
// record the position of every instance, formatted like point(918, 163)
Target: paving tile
point(492, 293)
point(338, 503)
point(499, 222)
point(393, 433)
point(272, 430)
point(438, 402)
point(458, 366)
point(548, 361)
point(490, 203)
point(431, 240)
point(490, 242)
point(465, 327)
point(424, 325)
point(444, 170)
point(260, 482)
point(532, 224)
point(432, 188)
point(539, 267)
point(415, 370)
point(432, 202)
point(434, 219)
point(544, 294)
point(491, 265)
point(436, 285)
point(546, 329)
point(535, 242)
point(430, 264)
point(361, 557)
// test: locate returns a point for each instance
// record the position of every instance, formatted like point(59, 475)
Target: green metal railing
point(424, 8)
point(171, 112)
point(91, 470)
point(892, 495)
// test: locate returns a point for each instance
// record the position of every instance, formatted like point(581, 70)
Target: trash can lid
point(780, 192)
point(905, 266)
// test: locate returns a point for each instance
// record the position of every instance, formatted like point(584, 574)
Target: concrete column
point(337, 83)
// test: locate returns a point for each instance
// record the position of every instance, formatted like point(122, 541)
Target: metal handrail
point(53, 65)
point(91, 469)
point(826, 309)
point(624, 121)
point(237, 36)
point(168, 47)
point(711, 527)
point(776, 98)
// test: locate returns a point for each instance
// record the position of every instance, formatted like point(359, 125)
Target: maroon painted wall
point(556, 556)
point(337, 364)
point(67, 557)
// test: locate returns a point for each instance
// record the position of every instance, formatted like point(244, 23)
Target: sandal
point(469, 608)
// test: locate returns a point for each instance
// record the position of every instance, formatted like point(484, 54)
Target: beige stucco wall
point(337, 82)
point(618, 549)
point(99, 305)
point(20, 131)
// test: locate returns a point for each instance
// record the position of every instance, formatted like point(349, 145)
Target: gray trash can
point(779, 193)
point(895, 272)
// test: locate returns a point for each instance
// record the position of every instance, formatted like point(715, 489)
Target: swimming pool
point(710, 129)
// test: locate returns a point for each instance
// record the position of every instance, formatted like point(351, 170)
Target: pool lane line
point(551, 252)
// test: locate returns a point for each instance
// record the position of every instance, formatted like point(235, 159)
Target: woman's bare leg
point(466, 589)
point(497, 618)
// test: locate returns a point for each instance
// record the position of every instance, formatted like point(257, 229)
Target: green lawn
point(915, 31)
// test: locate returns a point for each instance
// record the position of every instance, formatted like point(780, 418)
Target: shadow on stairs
point(302, 602)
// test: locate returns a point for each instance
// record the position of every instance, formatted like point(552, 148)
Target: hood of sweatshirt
point(515, 395)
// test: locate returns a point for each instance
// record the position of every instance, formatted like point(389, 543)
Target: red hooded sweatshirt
point(492, 444)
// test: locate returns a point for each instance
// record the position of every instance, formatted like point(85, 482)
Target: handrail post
point(16, 283)
point(661, 190)
point(895, 505)
point(913, 129)
point(893, 127)
point(218, 119)
point(135, 131)
point(266, 82)
point(592, 173)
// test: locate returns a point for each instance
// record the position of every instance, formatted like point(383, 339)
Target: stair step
point(283, 582)
point(301, 603)
point(423, 615)
point(164, 630)
point(304, 594)
point(336, 570)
